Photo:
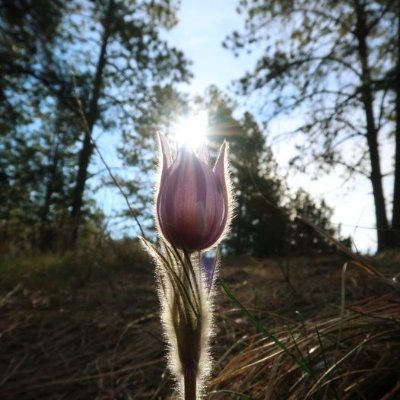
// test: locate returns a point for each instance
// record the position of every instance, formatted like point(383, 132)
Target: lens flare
point(191, 131)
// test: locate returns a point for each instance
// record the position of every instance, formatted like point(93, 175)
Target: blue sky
point(203, 25)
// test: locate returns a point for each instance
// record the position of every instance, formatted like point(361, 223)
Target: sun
point(192, 130)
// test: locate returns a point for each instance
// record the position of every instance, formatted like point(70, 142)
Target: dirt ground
point(95, 333)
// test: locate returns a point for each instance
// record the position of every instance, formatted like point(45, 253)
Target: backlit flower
point(192, 199)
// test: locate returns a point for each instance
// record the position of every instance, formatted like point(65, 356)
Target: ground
point(86, 326)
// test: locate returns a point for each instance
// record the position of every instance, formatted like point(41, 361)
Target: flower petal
point(219, 167)
point(209, 266)
point(203, 154)
point(167, 161)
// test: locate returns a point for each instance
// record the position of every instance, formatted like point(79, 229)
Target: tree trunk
point(382, 225)
point(88, 145)
point(396, 189)
point(46, 237)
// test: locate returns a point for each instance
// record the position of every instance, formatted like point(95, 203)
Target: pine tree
point(337, 64)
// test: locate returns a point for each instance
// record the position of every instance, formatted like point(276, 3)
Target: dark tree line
point(71, 71)
point(269, 220)
point(337, 63)
point(68, 70)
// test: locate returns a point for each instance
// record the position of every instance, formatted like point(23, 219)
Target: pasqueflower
point(192, 199)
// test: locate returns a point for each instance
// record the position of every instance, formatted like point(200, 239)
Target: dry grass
point(87, 328)
point(350, 350)
point(354, 357)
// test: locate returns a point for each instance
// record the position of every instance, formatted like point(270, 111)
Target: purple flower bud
point(192, 200)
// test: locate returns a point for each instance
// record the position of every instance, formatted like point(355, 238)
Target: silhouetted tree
point(69, 70)
point(302, 237)
point(132, 63)
point(31, 144)
point(337, 64)
point(266, 217)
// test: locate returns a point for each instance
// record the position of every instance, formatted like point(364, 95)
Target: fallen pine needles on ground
point(70, 334)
